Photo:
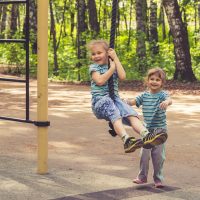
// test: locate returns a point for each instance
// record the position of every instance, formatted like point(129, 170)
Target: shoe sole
point(159, 186)
point(139, 182)
point(139, 143)
point(159, 139)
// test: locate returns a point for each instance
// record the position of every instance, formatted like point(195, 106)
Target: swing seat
point(112, 131)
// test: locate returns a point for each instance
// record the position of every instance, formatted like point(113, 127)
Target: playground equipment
point(42, 122)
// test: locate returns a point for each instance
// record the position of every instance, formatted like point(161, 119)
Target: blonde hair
point(102, 42)
point(155, 71)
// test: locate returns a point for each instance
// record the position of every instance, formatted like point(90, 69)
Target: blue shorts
point(106, 108)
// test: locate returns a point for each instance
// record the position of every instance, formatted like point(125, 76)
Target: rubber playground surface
point(84, 161)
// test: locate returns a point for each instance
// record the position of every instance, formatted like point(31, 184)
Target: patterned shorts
point(106, 108)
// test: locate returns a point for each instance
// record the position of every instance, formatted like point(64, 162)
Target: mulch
point(174, 87)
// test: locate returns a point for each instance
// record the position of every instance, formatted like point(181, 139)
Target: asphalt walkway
point(85, 163)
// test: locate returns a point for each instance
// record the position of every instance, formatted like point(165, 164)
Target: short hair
point(102, 42)
point(156, 71)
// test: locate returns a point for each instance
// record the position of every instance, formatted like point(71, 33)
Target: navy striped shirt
point(154, 117)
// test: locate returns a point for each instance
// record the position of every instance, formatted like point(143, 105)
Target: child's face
point(154, 83)
point(99, 55)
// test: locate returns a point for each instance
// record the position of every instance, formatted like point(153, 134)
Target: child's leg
point(130, 143)
point(119, 128)
point(144, 164)
point(158, 158)
point(150, 139)
point(138, 126)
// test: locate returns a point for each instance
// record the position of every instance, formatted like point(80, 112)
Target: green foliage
point(71, 69)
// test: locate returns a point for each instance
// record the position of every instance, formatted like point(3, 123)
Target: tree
point(130, 21)
point(81, 33)
point(3, 21)
point(162, 21)
point(141, 16)
point(13, 19)
point(93, 20)
point(33, 25)
point(53, 34)
point(183, 71)
point(153, 27)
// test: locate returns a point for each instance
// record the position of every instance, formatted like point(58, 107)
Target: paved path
point(84, 161)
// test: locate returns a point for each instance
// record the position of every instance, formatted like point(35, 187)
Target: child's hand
point(112, 54)
point(130, 102)
point(112, 65)
point(126, 101)
point(164, 105)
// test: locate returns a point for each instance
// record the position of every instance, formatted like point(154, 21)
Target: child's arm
point(131, 102)
point(166, 103)
point(101, 79)
point(120, 70)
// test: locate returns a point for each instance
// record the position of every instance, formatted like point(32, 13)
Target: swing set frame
point(42, 122)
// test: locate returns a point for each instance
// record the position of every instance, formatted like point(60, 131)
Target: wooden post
point(42, 84)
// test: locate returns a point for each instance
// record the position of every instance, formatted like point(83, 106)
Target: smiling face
point(154, 83)
point(99, 54)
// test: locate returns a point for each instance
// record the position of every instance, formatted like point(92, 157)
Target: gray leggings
point(157, 154)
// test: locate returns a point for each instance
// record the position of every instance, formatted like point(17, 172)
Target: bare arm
point(166, 103)
point(131, 102)
point(120, 70)
point(101, 79)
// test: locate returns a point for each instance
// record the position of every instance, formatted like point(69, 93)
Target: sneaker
point(139, 181)
point(132, 144)
point(158, 185)
point(154, 139)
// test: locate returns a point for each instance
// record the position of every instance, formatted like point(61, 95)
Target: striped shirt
point(153, 116)
point(103, 90)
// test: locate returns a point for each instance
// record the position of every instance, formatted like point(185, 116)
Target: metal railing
point(24, 41)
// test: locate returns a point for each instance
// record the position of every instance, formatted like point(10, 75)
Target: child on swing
point(154, 103)
point(115, 111)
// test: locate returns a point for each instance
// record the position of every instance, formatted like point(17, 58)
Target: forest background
point(149, 33)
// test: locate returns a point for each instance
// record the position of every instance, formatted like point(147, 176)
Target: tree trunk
point(62, 24)
point(179, 33)
point(93, 20)
point(153, 27)
point(53, 34)
point(162, 22)
point(13, 20)
point(3, 21)
point(104, 20)
point(33, 25)
point(130, 21)
point(141, 34)
point(81, 33)
point(199, 14)
point(124, 13)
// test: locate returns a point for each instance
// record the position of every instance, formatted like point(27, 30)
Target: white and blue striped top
point(101, 91)
point(153, 116)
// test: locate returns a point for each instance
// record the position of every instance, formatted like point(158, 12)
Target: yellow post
point(42, 84)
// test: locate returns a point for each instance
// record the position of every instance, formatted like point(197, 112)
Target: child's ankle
point(124, 137)
point(144, 132)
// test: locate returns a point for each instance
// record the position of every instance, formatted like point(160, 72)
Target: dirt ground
point(81, 150)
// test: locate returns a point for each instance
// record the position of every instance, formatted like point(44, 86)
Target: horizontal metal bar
point(12, 80)
point(12, 40)
point(36, 123)
point(18, 120)
point(13, 2)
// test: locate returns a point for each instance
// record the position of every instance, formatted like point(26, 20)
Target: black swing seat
point(112, 131)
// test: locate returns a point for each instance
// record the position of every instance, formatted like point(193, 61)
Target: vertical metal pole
point(27, 60)
point(42, 84)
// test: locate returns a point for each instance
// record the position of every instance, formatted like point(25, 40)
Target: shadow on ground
point(121, 193)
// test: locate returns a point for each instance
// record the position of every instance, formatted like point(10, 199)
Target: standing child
point(115, 111)
point(154, 104)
